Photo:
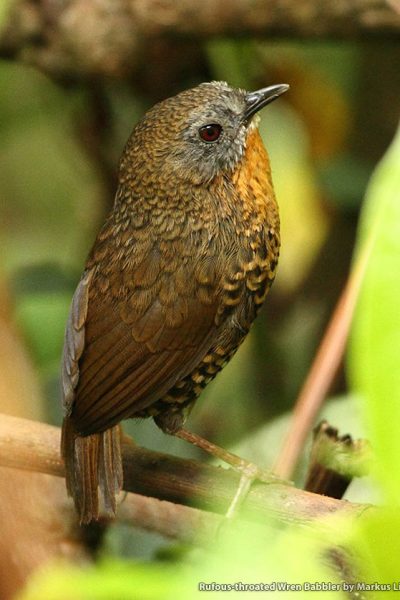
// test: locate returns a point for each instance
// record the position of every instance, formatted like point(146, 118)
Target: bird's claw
point(250, 472)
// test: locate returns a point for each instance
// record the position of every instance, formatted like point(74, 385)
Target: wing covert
point(129, 349)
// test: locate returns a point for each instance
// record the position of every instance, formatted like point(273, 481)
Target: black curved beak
point(255, 101)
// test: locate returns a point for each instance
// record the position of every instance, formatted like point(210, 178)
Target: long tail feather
point(92, 462)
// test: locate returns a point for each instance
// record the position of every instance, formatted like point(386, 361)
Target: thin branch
point(323, 369)
point(109, 37)
point(34, 446)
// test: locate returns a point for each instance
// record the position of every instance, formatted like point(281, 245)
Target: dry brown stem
point(323, 369)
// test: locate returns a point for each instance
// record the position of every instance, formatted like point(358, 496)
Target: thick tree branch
point(34, 446)
point(186, 524)
point(109, 37)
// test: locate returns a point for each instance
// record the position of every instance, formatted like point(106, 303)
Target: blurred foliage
point(4, 8)
point(373, 365)
point(374, 360)
point(48, 188)
point(235, 559)
point(59, 147)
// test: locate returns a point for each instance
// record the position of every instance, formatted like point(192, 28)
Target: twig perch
point(34, 446)
point(81, 38)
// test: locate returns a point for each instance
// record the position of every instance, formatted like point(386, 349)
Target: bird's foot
point(249, 471)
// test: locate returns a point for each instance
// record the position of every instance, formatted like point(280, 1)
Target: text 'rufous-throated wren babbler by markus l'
point(174, 280)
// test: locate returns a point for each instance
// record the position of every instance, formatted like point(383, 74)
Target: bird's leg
point(248, 470)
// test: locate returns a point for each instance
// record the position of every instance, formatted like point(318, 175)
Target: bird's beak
point(257, 100)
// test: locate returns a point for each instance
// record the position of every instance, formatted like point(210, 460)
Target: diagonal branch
point(34, 446)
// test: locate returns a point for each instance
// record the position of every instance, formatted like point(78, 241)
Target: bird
point(173, 282)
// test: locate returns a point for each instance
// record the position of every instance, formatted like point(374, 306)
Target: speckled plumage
point(173, 282)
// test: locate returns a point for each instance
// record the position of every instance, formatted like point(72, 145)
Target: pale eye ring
point(211, 132)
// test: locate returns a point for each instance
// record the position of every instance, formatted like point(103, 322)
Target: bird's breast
point(249, 229)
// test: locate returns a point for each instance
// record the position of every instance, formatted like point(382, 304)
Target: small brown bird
point(174, 280)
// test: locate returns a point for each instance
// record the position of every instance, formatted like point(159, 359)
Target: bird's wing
point(74, 341)
point(124, 351)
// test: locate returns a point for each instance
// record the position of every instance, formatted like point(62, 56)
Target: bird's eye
point(210, 133)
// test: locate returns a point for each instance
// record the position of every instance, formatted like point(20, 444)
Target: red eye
point(210, 133)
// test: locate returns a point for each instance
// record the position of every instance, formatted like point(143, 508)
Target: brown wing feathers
point(126, 346)
point(140, 367)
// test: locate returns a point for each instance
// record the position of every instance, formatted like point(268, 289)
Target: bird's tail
point(92, 462)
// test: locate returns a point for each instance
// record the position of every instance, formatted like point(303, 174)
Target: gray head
point(195, 135)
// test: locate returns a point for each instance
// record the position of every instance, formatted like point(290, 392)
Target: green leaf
point(5, 6)
point(373, 358)
point(376, 538)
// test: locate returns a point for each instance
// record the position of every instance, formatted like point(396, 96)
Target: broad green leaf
point(375, 342)
point(375, 541)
